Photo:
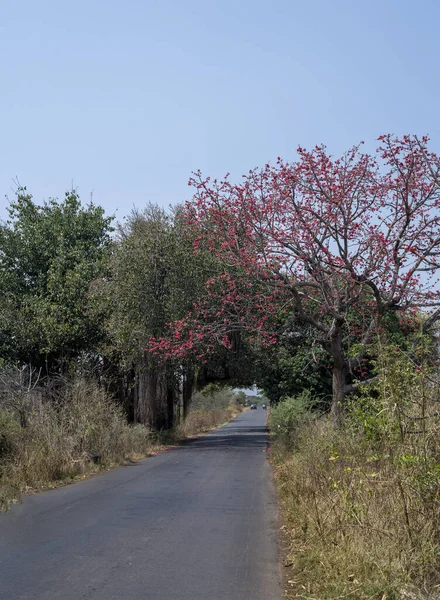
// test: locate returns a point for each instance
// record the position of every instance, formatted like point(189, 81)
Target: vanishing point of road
point(197, 522)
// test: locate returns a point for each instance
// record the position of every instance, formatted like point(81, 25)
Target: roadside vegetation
point(53, 435)
point(361, 503)
point(209, 409)
point(79, 390)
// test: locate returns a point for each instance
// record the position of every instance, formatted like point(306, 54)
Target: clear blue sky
point(127, 98)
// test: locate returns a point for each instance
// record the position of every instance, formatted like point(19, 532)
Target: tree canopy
point(314, 240)
point(49, 255)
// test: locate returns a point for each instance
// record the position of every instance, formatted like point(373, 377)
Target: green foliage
point(295, 364)
point(154, 278)
point(241, 397)
point(289, 415)
point(396, 401)
point(49, 255)
point(135, 294)
point(212, 397)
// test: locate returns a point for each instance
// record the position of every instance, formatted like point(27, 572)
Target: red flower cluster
point(315, 238)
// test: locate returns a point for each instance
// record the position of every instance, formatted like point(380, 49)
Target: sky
point(123, 100)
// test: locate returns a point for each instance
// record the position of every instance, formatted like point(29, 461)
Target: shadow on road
point(231, 438)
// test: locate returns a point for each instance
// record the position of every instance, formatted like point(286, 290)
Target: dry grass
point(361, 505)
point(82, 432)
point(208, 411)
point(362, 525)
point(200, 421)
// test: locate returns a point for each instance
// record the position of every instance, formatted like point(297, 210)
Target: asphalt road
point(194, 523)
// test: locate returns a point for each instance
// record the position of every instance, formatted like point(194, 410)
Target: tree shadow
point(231, 438)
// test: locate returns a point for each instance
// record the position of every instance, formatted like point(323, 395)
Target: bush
point(213, 397)
point(288, 416)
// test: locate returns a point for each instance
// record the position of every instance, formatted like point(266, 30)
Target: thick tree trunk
point(155, 396)
point(338, 388)
point(146, 397)
point(161, 421)
point(135, 401)
point(200, 379)
point(151, 395)
point(128, 393)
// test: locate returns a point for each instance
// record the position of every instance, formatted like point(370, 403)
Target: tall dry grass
point(78, 430)
point(362, 504)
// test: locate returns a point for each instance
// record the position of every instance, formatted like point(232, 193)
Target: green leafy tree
point(292, 367)
point(138, 292)
point(154, 278)
point(49, 255)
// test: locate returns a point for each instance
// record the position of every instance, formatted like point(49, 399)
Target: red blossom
point(315, 238)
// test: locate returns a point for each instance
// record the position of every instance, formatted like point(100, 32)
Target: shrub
point(288, 416)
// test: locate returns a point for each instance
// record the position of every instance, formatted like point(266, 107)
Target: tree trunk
point(338, 388)
point(161, 420)
point(200, 378)
point(338, 399)
point(155, 397)
point(187, 390)
point(146, 398)
point(171, 395)
point(135, 401)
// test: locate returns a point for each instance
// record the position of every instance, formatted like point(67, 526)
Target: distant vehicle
point(264, 407)
point(253, 407)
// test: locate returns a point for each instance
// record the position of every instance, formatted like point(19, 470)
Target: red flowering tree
point(318, 240)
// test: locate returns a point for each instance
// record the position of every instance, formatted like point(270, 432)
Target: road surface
point(194, 523)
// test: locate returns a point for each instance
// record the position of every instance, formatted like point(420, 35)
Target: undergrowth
point(209, 409)
point(79, 431)
point(361, 504)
